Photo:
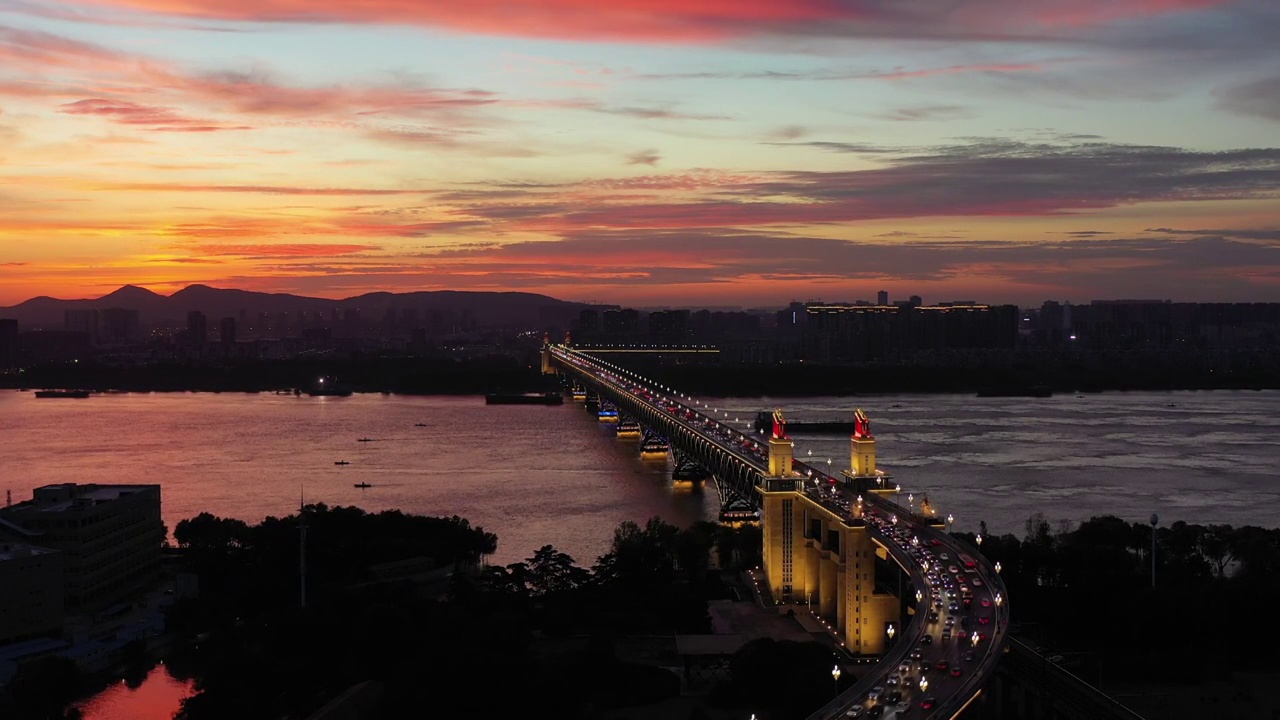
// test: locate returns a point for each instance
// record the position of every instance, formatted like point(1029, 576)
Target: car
point(985, 602)
point(893, 698)
point(951, 620)
point(956, 671)
point(954, 606)
point(901, 709)
point(969, 656)
point(904, 669)
point(977, 582)
point(953, 569)
point(891, 681)
point(928, 703)
point(875, 711)
point(916, 655)
point(943, 556)
point(984, 619)
point(942, 665)
point(927, 639)
point(856, 711)
point(933, 617)
point(946, 633)
point(875, 693)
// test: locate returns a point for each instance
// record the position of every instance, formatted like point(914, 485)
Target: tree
point(1217, 543)
point(552, 572)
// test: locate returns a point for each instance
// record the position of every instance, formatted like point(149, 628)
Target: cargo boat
point(547, 398)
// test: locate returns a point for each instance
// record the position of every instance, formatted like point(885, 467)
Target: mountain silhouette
point(483, 309)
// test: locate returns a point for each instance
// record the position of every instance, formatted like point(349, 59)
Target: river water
point(539, 475)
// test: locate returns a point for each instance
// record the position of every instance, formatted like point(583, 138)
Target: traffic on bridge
point(937, 646)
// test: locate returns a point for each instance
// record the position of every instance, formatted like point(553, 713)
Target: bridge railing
point(1064, 687)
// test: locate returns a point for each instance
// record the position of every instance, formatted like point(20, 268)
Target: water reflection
point(156, 698)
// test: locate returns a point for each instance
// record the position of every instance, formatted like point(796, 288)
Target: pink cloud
point(667, 20)
point(154, 117)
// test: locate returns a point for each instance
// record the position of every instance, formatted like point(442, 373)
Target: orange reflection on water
point(157, 698)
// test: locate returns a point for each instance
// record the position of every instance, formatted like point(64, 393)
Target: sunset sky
point(648, 152)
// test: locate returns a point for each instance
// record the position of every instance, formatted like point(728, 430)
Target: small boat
point(341, 462)
point(362, 485)
point(365, 440)
point(419, 424)
point(628, 430)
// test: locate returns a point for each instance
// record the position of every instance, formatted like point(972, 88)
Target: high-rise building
point(882, 297)
point(916, 301)
point(110, 537)
point(117, 326)
point(85, 321)
point(31, 604)
point(228, 334)
point(197, 327)
point(8, 343)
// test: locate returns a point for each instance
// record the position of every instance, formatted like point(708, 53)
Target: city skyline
point(644, 153)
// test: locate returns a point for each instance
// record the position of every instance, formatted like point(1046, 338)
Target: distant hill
point(485, 309)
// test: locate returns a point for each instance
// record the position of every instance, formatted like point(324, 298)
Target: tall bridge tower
point(862, 447)
point(548, 367)
point(818, 558)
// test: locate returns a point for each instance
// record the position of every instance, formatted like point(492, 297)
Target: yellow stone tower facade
point(822, 561)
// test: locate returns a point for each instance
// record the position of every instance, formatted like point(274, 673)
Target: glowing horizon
point(643, 152)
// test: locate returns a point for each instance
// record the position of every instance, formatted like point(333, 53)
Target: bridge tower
point(547, 367)
point(781, 448)
point(862, 447)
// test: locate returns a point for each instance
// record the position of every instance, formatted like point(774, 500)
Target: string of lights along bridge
point(833, 543)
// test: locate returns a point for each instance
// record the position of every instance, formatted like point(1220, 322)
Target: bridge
point(826, 538)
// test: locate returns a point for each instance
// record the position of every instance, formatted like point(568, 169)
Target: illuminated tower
point(547, 367)
point(781, 448)
point(862, 447)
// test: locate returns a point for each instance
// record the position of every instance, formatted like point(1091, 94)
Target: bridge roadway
point(914, 542)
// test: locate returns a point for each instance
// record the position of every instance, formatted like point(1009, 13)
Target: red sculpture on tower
point(861, 425)
point(779, 425)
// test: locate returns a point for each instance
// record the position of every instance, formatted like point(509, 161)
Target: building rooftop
point(65, 496)
point(12, 551)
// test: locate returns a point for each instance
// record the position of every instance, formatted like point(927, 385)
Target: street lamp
point(835, 676)
point(999, 600)
point(919, 596)
point(924, 684)
point(997, 566)
point(891, 631)
point(974, 638)
point(979, 540)
point(911, 501)
point(1155, 520)
point(950, 521)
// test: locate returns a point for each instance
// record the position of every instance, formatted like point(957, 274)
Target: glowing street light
point(835, 677)
point(979, 539)
point(974, 638)
point(999, 600)
point(891, 631)
point(924, 684)
point(950, 521)
point(919, 596)
point(997, 566)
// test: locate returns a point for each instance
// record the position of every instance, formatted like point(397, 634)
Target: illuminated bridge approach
point(937, 640)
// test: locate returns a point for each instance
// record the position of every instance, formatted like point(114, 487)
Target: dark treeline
point(1086, 594)
point(446, 376)
point(473, 644)
point(419, 376)
point(805, 379)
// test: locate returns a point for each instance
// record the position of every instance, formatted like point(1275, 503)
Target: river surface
point(554, 475)
point(540, 475)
